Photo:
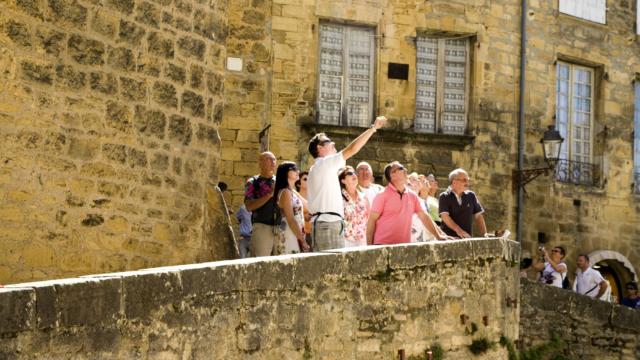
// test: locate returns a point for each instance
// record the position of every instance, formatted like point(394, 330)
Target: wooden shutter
point(330, 74)
point(359, 87)
point(562, 106)
point(426, 84)
point(455, 65)
point(592, 10)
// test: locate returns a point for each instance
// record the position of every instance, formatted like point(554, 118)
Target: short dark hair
point(585, 256)
point(387, 171)
point(314, 142)
point(563, 252)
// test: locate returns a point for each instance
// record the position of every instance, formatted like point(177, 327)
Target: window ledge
point(456, 142)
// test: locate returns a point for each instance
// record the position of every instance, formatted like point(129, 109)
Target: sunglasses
point(399, 168)
point(324, 142)
point(350, 173)
point(631, 288)
point(555, 251)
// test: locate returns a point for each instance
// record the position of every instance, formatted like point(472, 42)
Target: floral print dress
point(356, 215)
point(291, 245)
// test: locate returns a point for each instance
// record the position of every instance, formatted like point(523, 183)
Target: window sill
point(579, 20)
point(455, 142)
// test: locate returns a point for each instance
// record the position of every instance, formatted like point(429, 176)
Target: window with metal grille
point(636, 139)
point(592, 10)
point(574, 120)
point(442, 86)
point(345, 80)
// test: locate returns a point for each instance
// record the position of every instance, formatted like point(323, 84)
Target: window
point(574, 118)
point(345, 84)
point(592, 10)
point(442, 73)
point(636, 140)
point(638, 17)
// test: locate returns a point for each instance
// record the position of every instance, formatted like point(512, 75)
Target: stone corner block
point(455, 250)
point(17, 309)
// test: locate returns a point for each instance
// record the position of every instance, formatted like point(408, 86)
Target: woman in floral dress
point(356, 209)
point(290, 204)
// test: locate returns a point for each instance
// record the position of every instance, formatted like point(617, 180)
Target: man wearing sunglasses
point(459, 207)
point(324, 193)
point(392, 211)
point(633, 300)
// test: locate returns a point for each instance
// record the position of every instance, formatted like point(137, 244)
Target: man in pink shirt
point(393, 209)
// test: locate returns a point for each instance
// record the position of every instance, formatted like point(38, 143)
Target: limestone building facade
point(447, 75)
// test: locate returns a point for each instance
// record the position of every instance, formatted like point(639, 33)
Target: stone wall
point(590, 329)
point(109, 148)
point(578, 216)
point(365, 303)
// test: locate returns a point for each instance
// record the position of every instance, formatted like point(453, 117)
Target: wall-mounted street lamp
point(551, 142)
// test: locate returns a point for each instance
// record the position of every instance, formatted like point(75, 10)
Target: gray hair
point(364, 163)
point(455, 173)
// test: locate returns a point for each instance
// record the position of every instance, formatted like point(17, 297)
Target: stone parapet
point(590, 329)
point(365, 302)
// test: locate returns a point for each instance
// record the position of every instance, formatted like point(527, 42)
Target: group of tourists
point(334, 205)
point(552, 270)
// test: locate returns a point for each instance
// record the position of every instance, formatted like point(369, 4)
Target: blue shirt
point(244, 216)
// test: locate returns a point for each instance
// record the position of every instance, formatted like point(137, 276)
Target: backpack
point(565, 281)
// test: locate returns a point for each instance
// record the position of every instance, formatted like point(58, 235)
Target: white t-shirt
point(371, 191)
point(323, 187)
point(551, 277)
point(586, 281)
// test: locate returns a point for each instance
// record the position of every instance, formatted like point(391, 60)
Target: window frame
point(440, 81)
point(344, 101)
point(568, 144)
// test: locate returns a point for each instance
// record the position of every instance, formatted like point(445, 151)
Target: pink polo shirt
point(396, 213)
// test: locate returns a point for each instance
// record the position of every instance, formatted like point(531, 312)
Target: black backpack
point(565, 281)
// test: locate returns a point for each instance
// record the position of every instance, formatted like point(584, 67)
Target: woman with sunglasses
point(553, 270)
point(356, 208)
point(290, 204)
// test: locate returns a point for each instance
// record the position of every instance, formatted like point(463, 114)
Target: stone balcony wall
point(586, 328)
point(362, 303)
point(109, 145)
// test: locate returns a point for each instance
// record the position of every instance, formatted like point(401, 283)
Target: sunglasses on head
point(324, 142)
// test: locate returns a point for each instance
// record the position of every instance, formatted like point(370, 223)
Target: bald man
point(258, 197)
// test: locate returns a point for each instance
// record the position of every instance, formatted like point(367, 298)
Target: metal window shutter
point(359, 87)
point(330, 74)
point(595, 10)
point(571, 7)
point(426, 84)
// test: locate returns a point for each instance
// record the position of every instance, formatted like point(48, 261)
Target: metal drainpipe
point(521, 119)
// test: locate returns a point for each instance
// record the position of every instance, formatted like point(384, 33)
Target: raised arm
point(361, 140)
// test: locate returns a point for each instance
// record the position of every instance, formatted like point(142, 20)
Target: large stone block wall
point(583, 217)
point(590, 329)
point(365, 303)
point(109, 145)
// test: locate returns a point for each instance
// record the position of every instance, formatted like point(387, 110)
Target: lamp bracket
point(523, 177)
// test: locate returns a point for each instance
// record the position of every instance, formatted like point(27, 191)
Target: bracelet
point(373, 127)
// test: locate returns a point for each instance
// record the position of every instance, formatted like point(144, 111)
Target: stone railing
point(372, 303)
point(579, 327)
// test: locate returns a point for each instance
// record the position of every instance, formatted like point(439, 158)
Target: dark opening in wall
point(398, 71)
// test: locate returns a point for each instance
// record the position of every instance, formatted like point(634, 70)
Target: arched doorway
point(615, 268)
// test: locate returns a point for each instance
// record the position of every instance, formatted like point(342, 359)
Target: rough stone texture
point(351, 304)
point(92, 171)
point(278, 43)
point(592, 329)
